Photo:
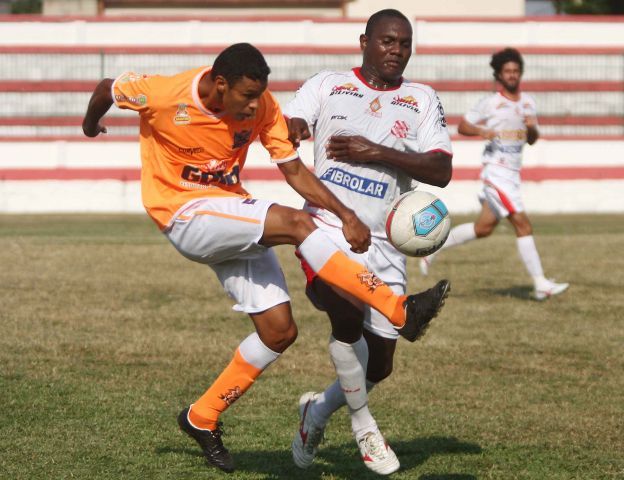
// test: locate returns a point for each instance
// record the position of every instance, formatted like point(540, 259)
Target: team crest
point(400, 129)
point(407, 102)
point(374, 107)
point(370, 280)
point(182, 117)
point(241, 138)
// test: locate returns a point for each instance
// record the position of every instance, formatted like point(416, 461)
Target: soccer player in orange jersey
point(195, 131)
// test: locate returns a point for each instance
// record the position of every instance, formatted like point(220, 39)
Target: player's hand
point(352, 148)
point(93, 131)
point(356, 233)
point(297, 130)
point(530, 121)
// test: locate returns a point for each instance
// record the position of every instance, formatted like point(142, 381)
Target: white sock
point(256, 353)
point(317, 249)
point(530, 258)
point(457, 236)
point(350, 361)
point(330, 401)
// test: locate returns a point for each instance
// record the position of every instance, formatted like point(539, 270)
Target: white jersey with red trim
point(407, 118)
point(506, 117)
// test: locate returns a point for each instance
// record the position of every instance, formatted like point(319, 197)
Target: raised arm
point(101, 100)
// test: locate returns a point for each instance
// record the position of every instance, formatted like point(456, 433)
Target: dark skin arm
point(433, 168)
point(306, 184)
point(101, 100)
point(532, 132)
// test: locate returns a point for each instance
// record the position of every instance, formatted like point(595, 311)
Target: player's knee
point(482, 231)
point(301, 224)
point(283, 339)
point(377, 373)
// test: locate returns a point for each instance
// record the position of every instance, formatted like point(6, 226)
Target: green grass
point(106, 333)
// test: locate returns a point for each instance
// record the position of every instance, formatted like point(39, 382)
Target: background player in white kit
point(375, 136)
point(508, 120)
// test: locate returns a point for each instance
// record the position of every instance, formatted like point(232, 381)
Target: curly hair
point(502, 57)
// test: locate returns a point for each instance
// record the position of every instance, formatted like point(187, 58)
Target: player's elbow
point(444, 171)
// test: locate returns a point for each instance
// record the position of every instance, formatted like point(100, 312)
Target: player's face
point(509, 77)
point(240, 100)
point(388, 49)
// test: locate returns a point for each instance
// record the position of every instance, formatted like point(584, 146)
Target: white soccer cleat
point(424, 264)
point(309, 435)
point(377, 455)
point(549, 289)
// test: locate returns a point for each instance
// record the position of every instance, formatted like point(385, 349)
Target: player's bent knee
point(301, 223)
point(280, 340)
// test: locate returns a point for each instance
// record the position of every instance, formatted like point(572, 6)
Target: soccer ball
point(417, 223)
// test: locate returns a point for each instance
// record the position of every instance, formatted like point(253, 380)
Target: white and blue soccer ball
point(418, 223)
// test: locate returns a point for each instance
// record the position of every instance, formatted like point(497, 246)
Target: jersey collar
point(358, 74)
point(195, 94)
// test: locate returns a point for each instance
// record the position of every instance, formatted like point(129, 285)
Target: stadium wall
point(580, 31)
point(103, 176)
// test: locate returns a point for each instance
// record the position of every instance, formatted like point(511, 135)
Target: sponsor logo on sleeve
point(132, 77)
point(346, 89)
point(139, 100)
point(441, 117)
point(182, 116)
point(355, 183)
point(338, 117)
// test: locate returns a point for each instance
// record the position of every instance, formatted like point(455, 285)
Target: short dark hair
point(238, 61)
point(381, 14)
point(502, 57)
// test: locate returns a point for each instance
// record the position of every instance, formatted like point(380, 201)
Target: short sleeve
point(307, 101)
point(479, 112)
point(132, 91)
point(432, 133)
point(274, 133)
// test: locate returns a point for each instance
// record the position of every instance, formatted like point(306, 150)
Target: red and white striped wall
point(103, 176)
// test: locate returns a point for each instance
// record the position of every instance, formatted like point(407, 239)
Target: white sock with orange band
point(334, 267)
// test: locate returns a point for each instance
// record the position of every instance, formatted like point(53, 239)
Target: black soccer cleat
point(209, 441)
point(421, 308)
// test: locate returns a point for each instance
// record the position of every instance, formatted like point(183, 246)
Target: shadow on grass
point(343, 461)
point(524, 292)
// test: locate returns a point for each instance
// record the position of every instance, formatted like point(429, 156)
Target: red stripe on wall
point(291, 86)
point(535, 174)
point(298, 50)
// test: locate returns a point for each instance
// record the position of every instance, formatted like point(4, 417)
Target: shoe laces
point(216, 434)
point(374, 445)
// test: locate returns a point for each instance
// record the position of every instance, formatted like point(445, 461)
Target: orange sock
point(355, 279)
point(235, 380)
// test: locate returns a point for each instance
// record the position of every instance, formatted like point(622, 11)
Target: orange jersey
point(187, 151)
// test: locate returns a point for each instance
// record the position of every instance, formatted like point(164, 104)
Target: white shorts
point(501, 190)
point(382, 259)
point(223, 232)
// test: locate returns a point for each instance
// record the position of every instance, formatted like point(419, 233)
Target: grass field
point(106, 333)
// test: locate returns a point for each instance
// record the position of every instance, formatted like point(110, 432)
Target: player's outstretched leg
point(209, 441)
point(421, 308)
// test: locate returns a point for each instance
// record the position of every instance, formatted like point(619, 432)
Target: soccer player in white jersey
point(376, 135)
point(507, 120)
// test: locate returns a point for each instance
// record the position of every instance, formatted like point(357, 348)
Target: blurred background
point(53, 53)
